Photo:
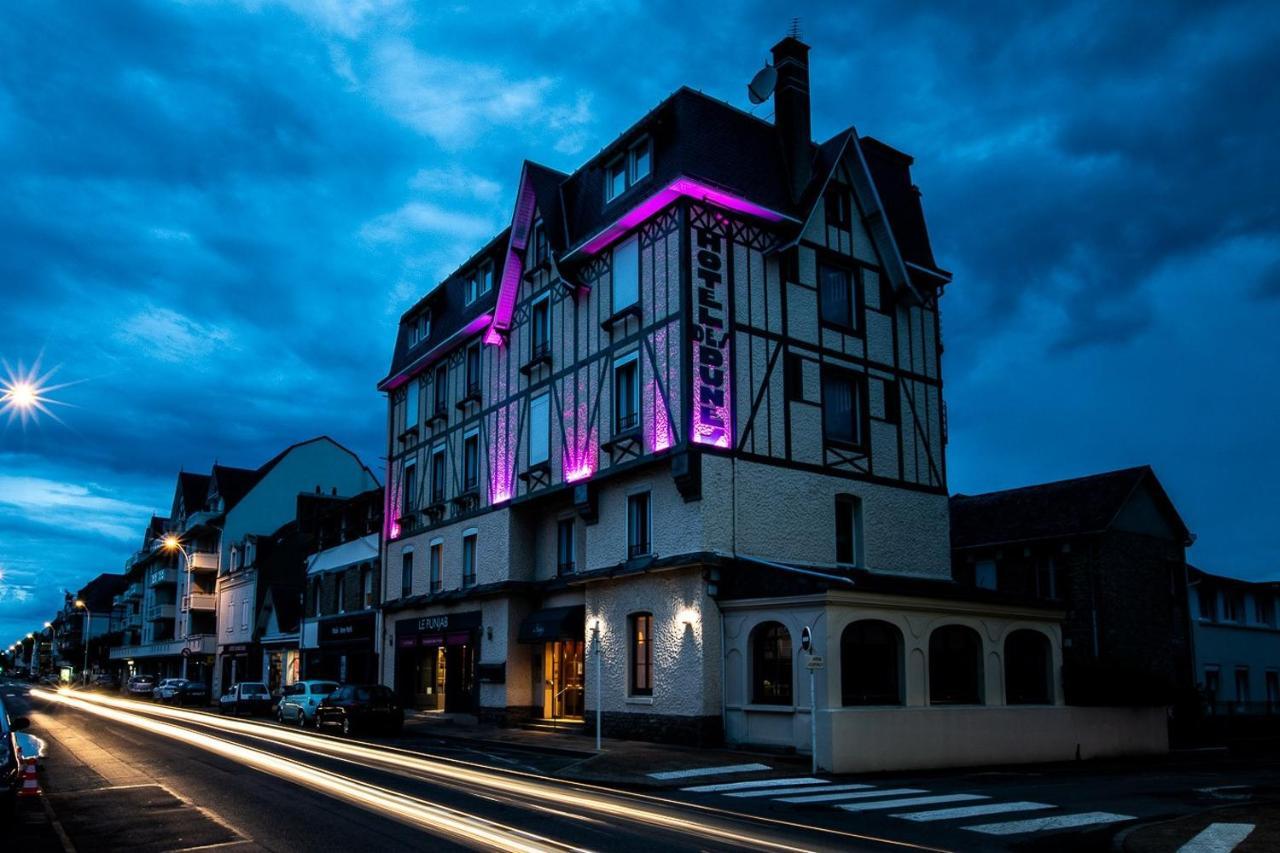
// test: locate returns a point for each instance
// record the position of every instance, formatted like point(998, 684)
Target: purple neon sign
point(712, 421)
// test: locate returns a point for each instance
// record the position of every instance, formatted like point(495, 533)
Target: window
point(892, 401)
point(409, 491)
point(231, 616)
point(406, 573)
point(411, 404)
point(638, 525)
point(1264, 609)
point(770, 664)
point(955, 666)
point(1242, 685)
point(564, 546)
point(436, 559)
point(843, 394)
point(1232, 606)
point(538, 244)
point(316, 588)
point(1028, 665)
point(244, 615)
point(641, 156)
point(339, 599)
point(473, 369)
point(793, 379)
point(628, 169)
point(615, 179)
point(837, 203)
point(1211, 684)
point(539, 429)
point(984, 574)
point(1207, 598)
point(437, 475)
point(626, 394)
point(540, 327)
point(473, 287)
point(871, 664)
point(641, 654)
point(837, 297)
point(469, 558)
point(413, 333)
point(486, 278)
point(626, 273)
point(424, 326)
point(1273, 691)
point(849, 530)
point(471, 461)
point(366, 585)
point(442, 389)
point(1046, 577)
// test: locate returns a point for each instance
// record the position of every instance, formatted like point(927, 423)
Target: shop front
point(345, 650)
point(436, 661)
point(282, 663)
point(240, 662)
point(558, 670)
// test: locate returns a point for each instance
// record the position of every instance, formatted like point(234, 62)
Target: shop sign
point(712, 419)
point(348, 630)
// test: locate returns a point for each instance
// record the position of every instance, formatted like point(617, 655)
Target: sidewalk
point(621, 762)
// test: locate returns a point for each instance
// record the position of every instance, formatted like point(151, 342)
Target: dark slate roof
point(193, 488)
point(1197, 574)
point(233, 483)
point(694, 135)
point(1050, 510)
point(99, 592)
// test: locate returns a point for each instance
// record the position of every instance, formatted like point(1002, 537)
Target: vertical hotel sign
point(712, 420)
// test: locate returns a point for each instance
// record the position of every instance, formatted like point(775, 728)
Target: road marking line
point(971, 811)
point(709, 771)
point(758, 783)
point(912, 801)
point(826, 798)
point(773, 792)
point(1218, 838)
point(1048, 824)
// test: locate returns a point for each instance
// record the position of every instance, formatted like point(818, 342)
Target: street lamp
point(172, 544)
point(88, 617)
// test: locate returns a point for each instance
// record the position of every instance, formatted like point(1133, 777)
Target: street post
point(595, 639)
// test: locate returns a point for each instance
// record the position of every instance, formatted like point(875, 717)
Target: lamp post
point(88, 621)
point(172, 544)
point(31, 661)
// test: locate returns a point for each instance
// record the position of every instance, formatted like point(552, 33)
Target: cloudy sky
point(212, 213)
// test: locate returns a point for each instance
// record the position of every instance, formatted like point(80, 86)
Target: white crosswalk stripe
point(972, 811)
point(911, 802)
point(826, 798)
point(1048, 824)
point(708, 771)
point(1218, 838)
point(757, 783)
point(773, 792)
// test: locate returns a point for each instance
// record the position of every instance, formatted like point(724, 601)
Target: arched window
point(871, 664)
point(640, 628)
point(771, 664)
point(955, 666)
point(1028, 662)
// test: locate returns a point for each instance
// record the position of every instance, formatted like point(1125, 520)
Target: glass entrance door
point(564, 668)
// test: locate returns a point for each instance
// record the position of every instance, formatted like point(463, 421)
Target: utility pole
point(595, 639)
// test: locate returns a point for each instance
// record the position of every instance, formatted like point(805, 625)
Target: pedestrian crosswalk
point(966, 810)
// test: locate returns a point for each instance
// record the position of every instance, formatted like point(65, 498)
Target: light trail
point(501, 784)
point(411, 810)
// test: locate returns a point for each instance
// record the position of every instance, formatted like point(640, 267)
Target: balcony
point(204, 561)
point(162, 576)
point(133, 591)
point(164, 648)
point(201, 644)
point(157, 612)
point(199, 601)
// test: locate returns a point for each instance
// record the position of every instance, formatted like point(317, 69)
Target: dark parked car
point(140, 686)
point(182, 691)
point(10, 764)
point(361, 707)
point(251, 696)
point(103, 682)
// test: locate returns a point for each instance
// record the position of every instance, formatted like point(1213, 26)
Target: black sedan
point(361, 707)
point(10, 760)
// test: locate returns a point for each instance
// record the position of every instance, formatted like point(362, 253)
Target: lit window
point(626, 274)
point(469, 558)
point(642, 654)
point(539, 429)
point(626, 394)
point(638, 525)
point(771, 664)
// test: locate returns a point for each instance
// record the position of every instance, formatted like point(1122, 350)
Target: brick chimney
point(791, 109)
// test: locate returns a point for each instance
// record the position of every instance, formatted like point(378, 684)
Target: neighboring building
point(1108, 548)
point(688, 404)
point(98, 597)
point(1237, 642)
point(340, 625)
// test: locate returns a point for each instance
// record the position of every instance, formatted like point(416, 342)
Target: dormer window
point(473, 286)
point(479, 282)
point(419, 329)
point(537, 244)
point(486, 278)
point(628, 169)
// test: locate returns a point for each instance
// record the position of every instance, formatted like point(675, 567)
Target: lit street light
point(87, 621)
point(172, 543)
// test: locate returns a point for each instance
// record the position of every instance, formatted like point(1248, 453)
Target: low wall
point(869, 739)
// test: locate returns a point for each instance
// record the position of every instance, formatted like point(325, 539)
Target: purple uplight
point(682, 186)
point(502, 452)
point(578, 457)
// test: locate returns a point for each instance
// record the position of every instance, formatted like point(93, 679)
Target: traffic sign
point(815, 662)
point(806, 639)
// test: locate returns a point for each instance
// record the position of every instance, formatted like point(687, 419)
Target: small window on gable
point(540, 326)
point(615, 179)
point(641, 160)
point(836, 202)
point(413, 333)
point(538, 244)
point(424, 326)
point(473, 286)
point(628, 169)
point(486, 278)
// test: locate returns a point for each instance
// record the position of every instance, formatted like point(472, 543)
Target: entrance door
point(564, 668)
point(459, 691)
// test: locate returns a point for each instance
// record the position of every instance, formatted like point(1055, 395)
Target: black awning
point(553, 623)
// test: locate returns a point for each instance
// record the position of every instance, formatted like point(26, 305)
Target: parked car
point(103, 682)
point(361, 707)
point(251, 696)
point(10, 762)
point(141, 686)
point(182, 691)
point(299, 702)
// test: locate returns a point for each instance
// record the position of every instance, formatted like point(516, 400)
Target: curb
point(504, 744)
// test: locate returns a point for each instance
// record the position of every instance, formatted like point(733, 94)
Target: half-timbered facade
point(712, 351)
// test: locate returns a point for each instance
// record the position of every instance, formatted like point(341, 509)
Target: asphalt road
point(127, 775)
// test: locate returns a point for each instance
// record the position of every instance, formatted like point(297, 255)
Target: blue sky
point(212, 213)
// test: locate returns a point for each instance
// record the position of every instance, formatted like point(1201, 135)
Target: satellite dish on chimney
point(761, 86)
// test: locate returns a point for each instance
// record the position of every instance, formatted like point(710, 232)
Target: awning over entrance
point(553, 623)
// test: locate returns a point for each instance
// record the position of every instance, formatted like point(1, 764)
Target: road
point(132, 775)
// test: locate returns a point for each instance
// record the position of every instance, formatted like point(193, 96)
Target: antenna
point(761, 86)
point(795, 28)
